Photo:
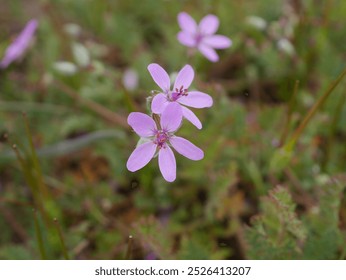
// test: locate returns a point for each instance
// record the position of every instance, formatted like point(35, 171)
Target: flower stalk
point(297, 133)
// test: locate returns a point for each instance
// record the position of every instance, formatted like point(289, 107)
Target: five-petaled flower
point(180, 93)
point(16, 50)
point(202, 36)
point(160, 138)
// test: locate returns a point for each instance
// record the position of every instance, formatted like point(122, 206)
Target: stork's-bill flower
point(159, 139)
point(180, 93)
point(202, 36)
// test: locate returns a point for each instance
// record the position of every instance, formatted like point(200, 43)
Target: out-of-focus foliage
point(252, 196)
point(277, 232)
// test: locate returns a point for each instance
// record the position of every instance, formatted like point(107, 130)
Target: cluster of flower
point(168, 107)
point(157, 131)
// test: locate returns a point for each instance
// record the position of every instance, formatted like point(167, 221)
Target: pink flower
point(159, 138)
point(180, 93)
point(20, 44)
point(202, 36)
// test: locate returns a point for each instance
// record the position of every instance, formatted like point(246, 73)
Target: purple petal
point(142, 124)
point(159, 103)
point(208, 52)
point(196, 99)
point(209, 24)
point(217, 41)
point(28, 30)
point(186, 39)
point(167, 163)
point(160, 76)
point(171, 117)
point(20, 44)
point(186, 148)
point(184, 77)
point(187, 23)
point(141, 156)
point(191, 117)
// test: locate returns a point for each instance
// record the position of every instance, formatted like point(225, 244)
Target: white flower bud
point(257, 22)
point(81, 54)
point(65, 67)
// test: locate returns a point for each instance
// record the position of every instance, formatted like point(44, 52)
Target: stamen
point(161, 138)
point(179, 93)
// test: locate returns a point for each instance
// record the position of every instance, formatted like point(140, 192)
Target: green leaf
point(325, 237)
point(277, 232)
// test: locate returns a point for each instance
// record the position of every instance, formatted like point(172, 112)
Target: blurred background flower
point(202, 36)
point(17, 48)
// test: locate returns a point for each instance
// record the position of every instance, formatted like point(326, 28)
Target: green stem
point(30, 181)
point(62, 240)
point(39, 237)
point(157, 121)
point(32, 171)
point(36, 165)
point(289, 114)
point(314, 109)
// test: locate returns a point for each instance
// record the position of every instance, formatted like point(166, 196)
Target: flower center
point(198, 38)
point(175, 95)
point(161, 138)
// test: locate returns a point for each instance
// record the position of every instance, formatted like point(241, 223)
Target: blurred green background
point(257, 194)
